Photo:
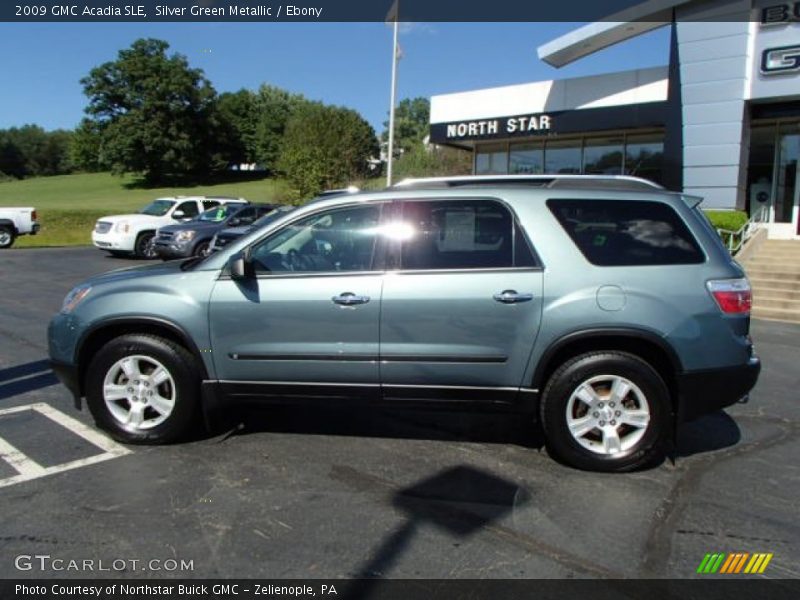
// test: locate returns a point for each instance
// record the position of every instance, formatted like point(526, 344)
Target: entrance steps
point(774, 273)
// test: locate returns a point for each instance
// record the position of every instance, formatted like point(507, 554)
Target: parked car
point(16, 221)
point(225, 236)
point(135, 233)
point(604, 307)
point(193, 238)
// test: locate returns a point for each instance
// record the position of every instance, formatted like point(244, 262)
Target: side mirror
point(234, 222)
point(240, 266)
point(178, 214)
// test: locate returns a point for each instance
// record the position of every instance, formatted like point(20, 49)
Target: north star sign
point(510, 125)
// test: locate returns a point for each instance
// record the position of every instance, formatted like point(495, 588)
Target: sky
point(347, 64)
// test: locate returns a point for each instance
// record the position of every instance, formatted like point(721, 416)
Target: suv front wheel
point(605, 411)
point(143, 389)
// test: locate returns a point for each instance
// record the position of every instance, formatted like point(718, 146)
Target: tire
point(202, 249)
point(629, 401)
point(145, 246)
point(7, 236)
point(152, 411)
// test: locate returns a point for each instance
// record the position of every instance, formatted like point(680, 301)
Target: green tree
point(275, 106)
point(238, 115)
point(85, 153)
point(411, 124)
point(154, 112)
point(30, 150)
point(326, 147)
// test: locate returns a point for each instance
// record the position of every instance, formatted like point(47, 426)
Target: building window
point(603, 156)
point(526, 159)
point(644, 156)
point(562, 157)
point(491, 160)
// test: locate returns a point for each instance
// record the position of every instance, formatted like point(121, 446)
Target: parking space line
point(18, 461)
point(29, 469)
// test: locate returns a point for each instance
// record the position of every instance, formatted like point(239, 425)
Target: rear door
point(461, 313)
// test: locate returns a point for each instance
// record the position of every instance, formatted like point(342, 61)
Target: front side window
point(627, 232)
point(331, 241)
point(189, 209)
point(460, 234)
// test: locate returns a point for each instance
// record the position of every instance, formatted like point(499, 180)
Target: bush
point(422, 161)
point(732, 220)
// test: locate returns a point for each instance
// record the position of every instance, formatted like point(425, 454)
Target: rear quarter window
point(614, 233)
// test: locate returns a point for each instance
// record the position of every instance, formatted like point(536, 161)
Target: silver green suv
point(605, 307)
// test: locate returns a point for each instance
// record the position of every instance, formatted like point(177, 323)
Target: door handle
point(512, 297)
point(349, 299)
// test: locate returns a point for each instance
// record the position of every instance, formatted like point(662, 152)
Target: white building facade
point(721, 120)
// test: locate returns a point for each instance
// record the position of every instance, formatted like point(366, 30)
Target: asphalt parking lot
point(300, 492)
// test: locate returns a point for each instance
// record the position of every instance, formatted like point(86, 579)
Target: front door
point(307, 323)
point(460, 314)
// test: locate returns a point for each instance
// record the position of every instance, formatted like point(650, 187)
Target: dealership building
point(721, 120)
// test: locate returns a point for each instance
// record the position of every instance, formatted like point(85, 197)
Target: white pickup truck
point(135, 233)
point(15, 221)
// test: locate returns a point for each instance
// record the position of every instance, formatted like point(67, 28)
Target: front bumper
point(171, 251)
point(69, 376)
point(114, 241)
point(704, 392)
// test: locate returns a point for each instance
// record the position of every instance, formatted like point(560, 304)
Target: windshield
point(218, 213)
point(158, 208)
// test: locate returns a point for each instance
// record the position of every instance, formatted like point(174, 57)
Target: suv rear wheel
point(143, 389)
point(605, 411)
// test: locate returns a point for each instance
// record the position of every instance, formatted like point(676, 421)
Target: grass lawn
point(69, 205)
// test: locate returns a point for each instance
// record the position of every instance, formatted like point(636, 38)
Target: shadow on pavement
point(402, 423)
point(712, 432)
point(461, 500)
point(24, 378)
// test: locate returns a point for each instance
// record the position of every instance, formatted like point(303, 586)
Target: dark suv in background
point(193, 238)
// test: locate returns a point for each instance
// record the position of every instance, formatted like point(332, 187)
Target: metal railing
point(734, 240)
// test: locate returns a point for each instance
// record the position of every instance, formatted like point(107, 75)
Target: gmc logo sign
point(780, 60)
point(780, 13)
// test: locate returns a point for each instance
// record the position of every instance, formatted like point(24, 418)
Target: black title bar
point(333, 10)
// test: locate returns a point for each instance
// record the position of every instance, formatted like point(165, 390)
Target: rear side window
point(462, 234)
point(613, 233)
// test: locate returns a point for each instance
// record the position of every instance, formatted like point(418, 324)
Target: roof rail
point(551, 181)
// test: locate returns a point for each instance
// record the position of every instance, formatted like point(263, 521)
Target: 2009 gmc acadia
point(606, 307)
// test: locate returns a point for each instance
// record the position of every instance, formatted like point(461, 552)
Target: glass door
point(785, 205)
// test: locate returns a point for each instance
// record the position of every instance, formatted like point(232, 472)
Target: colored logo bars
point(735, 562)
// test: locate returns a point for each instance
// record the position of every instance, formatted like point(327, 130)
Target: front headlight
point(185, 236)
point(122, 227)
point(74, 298)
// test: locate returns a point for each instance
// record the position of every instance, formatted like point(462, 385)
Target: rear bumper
point(35, 228)
point(707, 391)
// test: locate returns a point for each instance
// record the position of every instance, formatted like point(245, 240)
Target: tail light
point(33, 215)
point(733, 296)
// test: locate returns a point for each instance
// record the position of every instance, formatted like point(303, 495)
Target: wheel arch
point(101, 333)
point(9, 223)
point(647, 345)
